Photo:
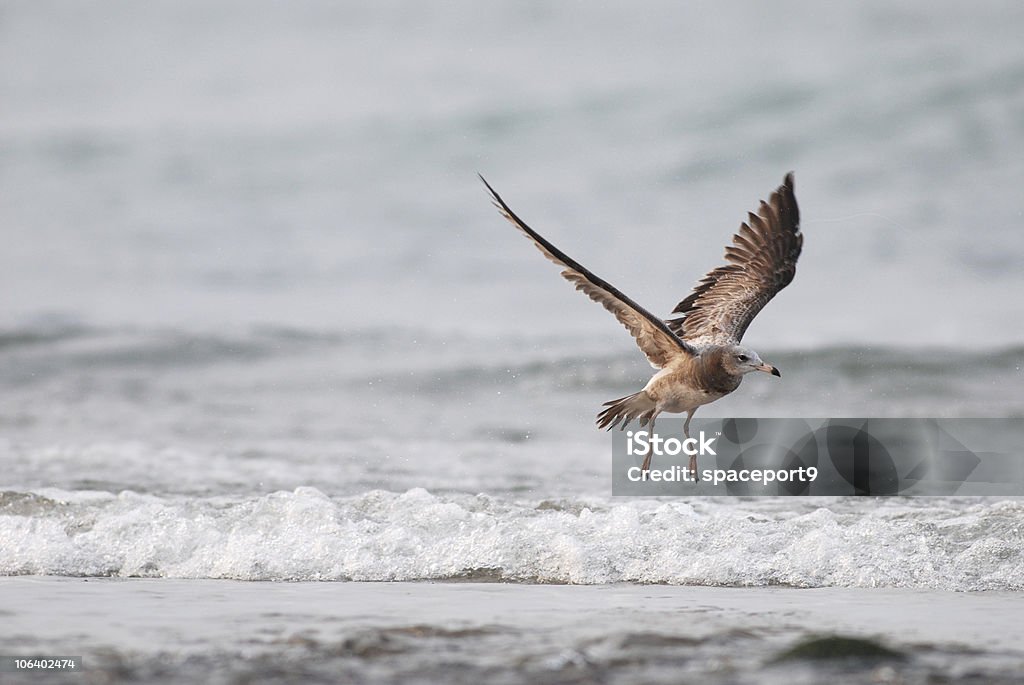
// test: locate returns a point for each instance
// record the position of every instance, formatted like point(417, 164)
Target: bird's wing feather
point(658, 343)
point(761, 262)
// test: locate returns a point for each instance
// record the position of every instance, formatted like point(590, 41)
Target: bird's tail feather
point(625, 409)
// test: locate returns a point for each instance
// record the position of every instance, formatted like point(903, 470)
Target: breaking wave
point(950, 544)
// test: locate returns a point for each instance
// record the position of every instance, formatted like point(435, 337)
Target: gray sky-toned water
point(258, 321)
point(313, 164)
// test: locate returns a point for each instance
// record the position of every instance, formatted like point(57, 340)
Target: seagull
point(698, 355)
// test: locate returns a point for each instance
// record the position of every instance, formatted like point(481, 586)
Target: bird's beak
point(768, 368)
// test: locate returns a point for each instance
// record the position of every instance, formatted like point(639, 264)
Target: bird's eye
point(742, 357)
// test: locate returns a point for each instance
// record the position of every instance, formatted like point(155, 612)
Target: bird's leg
point(646, 466)
point(693, 457)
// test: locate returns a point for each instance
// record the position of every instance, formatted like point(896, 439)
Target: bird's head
point(739, 360)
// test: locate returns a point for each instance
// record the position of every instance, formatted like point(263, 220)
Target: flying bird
point(698, 354)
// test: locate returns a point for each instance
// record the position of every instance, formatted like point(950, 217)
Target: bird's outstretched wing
point(659, 344)
point(761, 262)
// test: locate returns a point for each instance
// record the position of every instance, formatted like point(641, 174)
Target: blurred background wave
point(245, 249)
point(202, 166)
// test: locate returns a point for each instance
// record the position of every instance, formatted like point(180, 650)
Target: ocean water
point(230, 632)
point(260, 322)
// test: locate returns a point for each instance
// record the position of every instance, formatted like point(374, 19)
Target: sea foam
point(416, 535)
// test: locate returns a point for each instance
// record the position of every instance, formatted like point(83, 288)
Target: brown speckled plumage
point(698, 354)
